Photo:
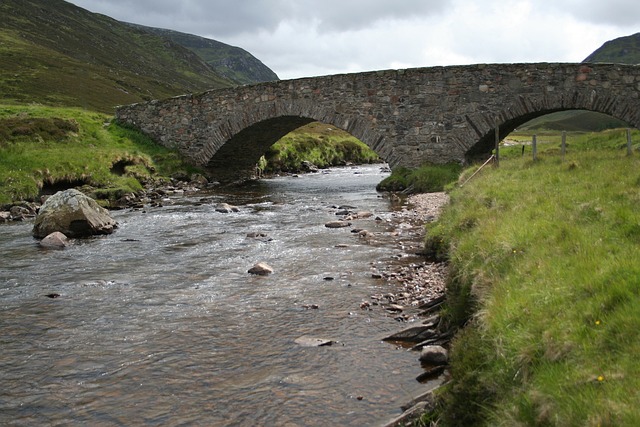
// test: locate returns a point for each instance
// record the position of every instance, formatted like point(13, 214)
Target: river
point(160, 323)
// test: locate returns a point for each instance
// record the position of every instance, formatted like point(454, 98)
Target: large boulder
point(73, 214)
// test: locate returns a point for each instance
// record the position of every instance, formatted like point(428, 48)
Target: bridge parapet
point(409, 117)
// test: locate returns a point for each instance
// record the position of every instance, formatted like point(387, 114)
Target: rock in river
point(307, 341)
point(261, 269)
point(434, 355)
point(226, 208)
point(73, 214)
point(54, 240)
point(337, 224)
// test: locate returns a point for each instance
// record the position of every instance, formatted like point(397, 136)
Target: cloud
point(298, 38)
point(620, 13)
point(231, 17)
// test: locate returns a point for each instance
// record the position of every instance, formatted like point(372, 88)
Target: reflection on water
point(160, 324)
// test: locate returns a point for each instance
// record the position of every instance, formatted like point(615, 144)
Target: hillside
point(232, 62)
point(623, 50)
point(573, 121)
point(55, 53)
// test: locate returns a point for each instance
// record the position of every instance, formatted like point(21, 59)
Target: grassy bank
point(42, 148)
point(321, 144)
point(425, 179)
point(545, 262)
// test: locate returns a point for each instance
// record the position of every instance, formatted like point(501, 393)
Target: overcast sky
point(304, 38)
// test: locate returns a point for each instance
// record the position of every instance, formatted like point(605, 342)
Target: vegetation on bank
point(545, 278)
point(425, 179)
point(44, 148)
point(319, 144)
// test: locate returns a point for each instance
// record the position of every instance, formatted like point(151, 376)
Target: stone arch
point(525, 108)
point(234, 148)
point(409, 117)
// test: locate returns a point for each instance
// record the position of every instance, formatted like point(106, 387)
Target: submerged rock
point(257, 235)
point(261, 269)
point(55, 240)
point(337, 224)
point(307, 341)
point(226, 208)
point(73, 214)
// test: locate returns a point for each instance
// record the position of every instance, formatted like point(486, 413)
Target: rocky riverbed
point(420, 286)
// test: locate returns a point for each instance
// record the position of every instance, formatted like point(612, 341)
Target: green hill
point(232, 62)
point(55, 53)
point(573, 121)
point(623, 50)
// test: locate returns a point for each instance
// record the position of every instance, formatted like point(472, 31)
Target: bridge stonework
point(409, 117)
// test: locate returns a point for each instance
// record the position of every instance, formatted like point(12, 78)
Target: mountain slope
point(573, 121)
point(623, 50)
point(55, 53)
point(234, 63)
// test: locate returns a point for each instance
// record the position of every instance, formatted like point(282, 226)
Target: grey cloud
point(220, 17)
point(624, 13)
point(341, 15)
point(226, 18)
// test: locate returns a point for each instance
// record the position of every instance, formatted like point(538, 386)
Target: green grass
point(44, 146)
point(318, 143)
point(545, 274)
point(425, 179)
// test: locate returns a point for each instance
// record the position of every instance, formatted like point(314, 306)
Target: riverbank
point(544, 263)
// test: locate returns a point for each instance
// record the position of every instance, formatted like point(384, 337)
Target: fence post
point(629, 151)
point(497, 132)
point(564, 144)
point(534, 144)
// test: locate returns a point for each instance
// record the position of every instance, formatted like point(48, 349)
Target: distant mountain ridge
point(53, 52)
point(232, 62)
point(623, 50)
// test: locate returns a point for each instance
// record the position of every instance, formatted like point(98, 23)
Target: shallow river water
point(160, 323)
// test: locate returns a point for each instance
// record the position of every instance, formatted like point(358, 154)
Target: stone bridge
point(409, 117)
